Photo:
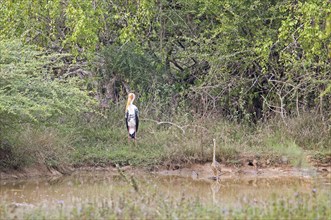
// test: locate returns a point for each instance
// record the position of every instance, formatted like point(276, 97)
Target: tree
point(30, 92)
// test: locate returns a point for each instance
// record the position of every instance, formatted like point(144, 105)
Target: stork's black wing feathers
point(137, 119)
point(126, 119)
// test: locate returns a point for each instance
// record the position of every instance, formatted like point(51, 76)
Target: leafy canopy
point(29, 91)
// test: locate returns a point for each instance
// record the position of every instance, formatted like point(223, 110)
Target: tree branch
point(164, 122)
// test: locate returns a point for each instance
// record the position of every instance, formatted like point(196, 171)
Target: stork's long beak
point(128, 103)
point(131, 97)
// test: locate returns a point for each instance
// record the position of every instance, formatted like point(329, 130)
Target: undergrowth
point(101, 140)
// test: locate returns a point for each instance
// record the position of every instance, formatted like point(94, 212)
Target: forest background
point(255, 75)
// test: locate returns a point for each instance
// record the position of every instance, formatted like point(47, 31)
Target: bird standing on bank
point(131, 117)
point(215, 166)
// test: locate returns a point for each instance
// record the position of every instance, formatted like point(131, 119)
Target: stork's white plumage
point(131, 117)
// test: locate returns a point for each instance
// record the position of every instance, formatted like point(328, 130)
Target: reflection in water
point(100, 188)
point(215, 187)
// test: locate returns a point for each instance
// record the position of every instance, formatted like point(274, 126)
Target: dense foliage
point(30, 91)
point(32, 94)
point(246, 61)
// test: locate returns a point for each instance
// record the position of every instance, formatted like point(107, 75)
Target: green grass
point(96, 140)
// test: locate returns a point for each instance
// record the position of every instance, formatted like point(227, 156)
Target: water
point(100, 187)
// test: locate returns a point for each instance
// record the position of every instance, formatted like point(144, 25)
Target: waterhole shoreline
point(187, 192)
point(194, 171)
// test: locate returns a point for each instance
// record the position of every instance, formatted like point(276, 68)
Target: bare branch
point(164, 122)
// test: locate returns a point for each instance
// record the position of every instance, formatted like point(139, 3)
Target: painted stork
point(215, 166)
point(131, 117)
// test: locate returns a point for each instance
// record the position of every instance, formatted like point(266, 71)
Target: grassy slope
point(99, 141)
point(104, 141)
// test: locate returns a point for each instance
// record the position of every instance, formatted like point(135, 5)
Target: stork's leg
point(135, 138)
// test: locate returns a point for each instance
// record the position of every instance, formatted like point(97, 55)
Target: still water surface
point(98, 187)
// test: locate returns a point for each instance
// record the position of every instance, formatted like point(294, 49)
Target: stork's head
point(131, 98)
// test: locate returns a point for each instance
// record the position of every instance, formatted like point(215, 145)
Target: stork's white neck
point(131, 102)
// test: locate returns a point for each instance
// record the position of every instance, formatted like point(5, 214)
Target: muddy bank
point(34, 171)
point(203, 171)
point(195, 171)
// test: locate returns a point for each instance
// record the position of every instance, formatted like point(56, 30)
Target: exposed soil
point(32, 171)
point(248, 166)
point(195, 171)
point(203, 171)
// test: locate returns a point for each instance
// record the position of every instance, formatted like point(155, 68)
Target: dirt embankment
point(247, 167)
point(39, 170)
point(203, 171)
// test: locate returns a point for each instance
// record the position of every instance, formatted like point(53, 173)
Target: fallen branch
point(164, 122)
